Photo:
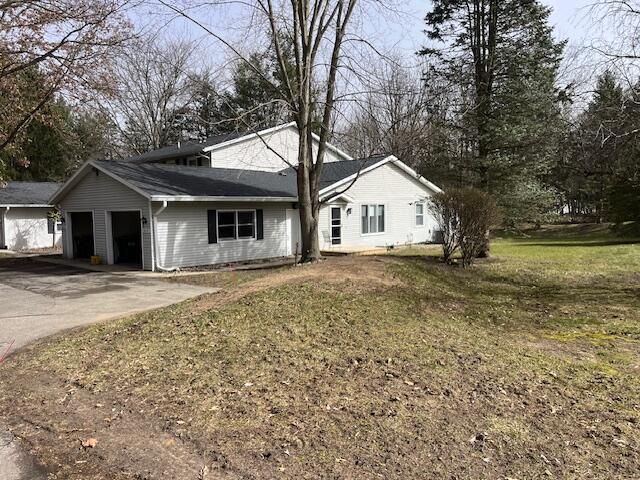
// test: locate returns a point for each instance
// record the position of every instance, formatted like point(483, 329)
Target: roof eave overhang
point(403, 166)
point(269, 131)
point(327, 191)
point(218, 198)
point(82, 171)
point(352, 178)
point(249, 136)
point(25, 205)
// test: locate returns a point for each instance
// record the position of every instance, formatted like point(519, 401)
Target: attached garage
point(105, 218)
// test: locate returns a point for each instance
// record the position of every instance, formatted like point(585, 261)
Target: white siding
point(100, 194)
point(182, 235)
point(253, 154)
point(390, 186)
point(27, 228)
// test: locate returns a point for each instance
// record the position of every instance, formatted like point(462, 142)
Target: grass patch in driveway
point(525, 366)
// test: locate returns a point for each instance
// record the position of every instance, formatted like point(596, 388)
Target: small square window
point(236, 224)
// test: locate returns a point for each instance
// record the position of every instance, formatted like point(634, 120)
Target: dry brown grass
point(527, 366)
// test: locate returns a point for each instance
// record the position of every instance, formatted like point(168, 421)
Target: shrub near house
point(465, 217)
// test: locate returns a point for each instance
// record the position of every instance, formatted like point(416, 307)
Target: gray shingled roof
point(184, 149)
point(28, 193)
point(175, 180)
point(333, 172)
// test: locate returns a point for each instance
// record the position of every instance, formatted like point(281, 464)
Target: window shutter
point(259, 225)
point(213, 226)
point(50, 225)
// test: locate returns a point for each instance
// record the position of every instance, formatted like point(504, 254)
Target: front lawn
point(525, 366)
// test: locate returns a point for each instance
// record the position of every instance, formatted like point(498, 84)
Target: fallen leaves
point(89, 443)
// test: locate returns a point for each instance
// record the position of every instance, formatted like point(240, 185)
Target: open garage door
point(126, 232)
point(82, 234)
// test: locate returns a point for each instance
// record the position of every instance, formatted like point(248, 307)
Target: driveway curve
point(39, 299)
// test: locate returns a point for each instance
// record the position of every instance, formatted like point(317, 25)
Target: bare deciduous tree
point(153, 86)
point(393, 114)
point(316, 31)
point(67, 40)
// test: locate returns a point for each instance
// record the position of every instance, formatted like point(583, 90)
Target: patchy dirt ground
point(367, 367)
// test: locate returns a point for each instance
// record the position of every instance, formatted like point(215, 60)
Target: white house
point(24, 216)
point(233, 198)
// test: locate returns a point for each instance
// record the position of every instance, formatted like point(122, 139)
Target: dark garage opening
point(127, 237)
point(82, 234)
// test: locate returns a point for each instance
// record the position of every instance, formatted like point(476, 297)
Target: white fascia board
point(189, 198)
point(69, 183)
point(121, 180)
point(249, 136)
point(416, 175)
point(270, 131)
point(25, 205)
point(390, 159)
point(330, 146)
point(344, 196)
point(83, 171)
point(350, 178)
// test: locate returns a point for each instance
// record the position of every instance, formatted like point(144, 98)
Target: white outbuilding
point(25, 220)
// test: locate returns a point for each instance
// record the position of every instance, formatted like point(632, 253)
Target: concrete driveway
point(38, 299)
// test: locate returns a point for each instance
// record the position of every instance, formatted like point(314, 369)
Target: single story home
point(234, 199)
point(24, 216)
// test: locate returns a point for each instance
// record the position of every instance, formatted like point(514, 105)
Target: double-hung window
point(236, 224)
point(420, 214)
point(373, 219)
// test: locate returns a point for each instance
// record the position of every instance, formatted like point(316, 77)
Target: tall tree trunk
point(308, 208)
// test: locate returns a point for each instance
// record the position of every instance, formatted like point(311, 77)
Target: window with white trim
point(372, 219)
point(236, 224)
point(420, 214)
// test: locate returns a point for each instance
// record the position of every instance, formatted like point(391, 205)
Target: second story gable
point(270, 150)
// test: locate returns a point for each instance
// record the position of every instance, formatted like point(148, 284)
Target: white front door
point(293, 232)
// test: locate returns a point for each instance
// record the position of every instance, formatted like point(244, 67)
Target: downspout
point(154, 234)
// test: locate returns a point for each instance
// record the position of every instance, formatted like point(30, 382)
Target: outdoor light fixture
point(144, 220)
point(349, 211)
